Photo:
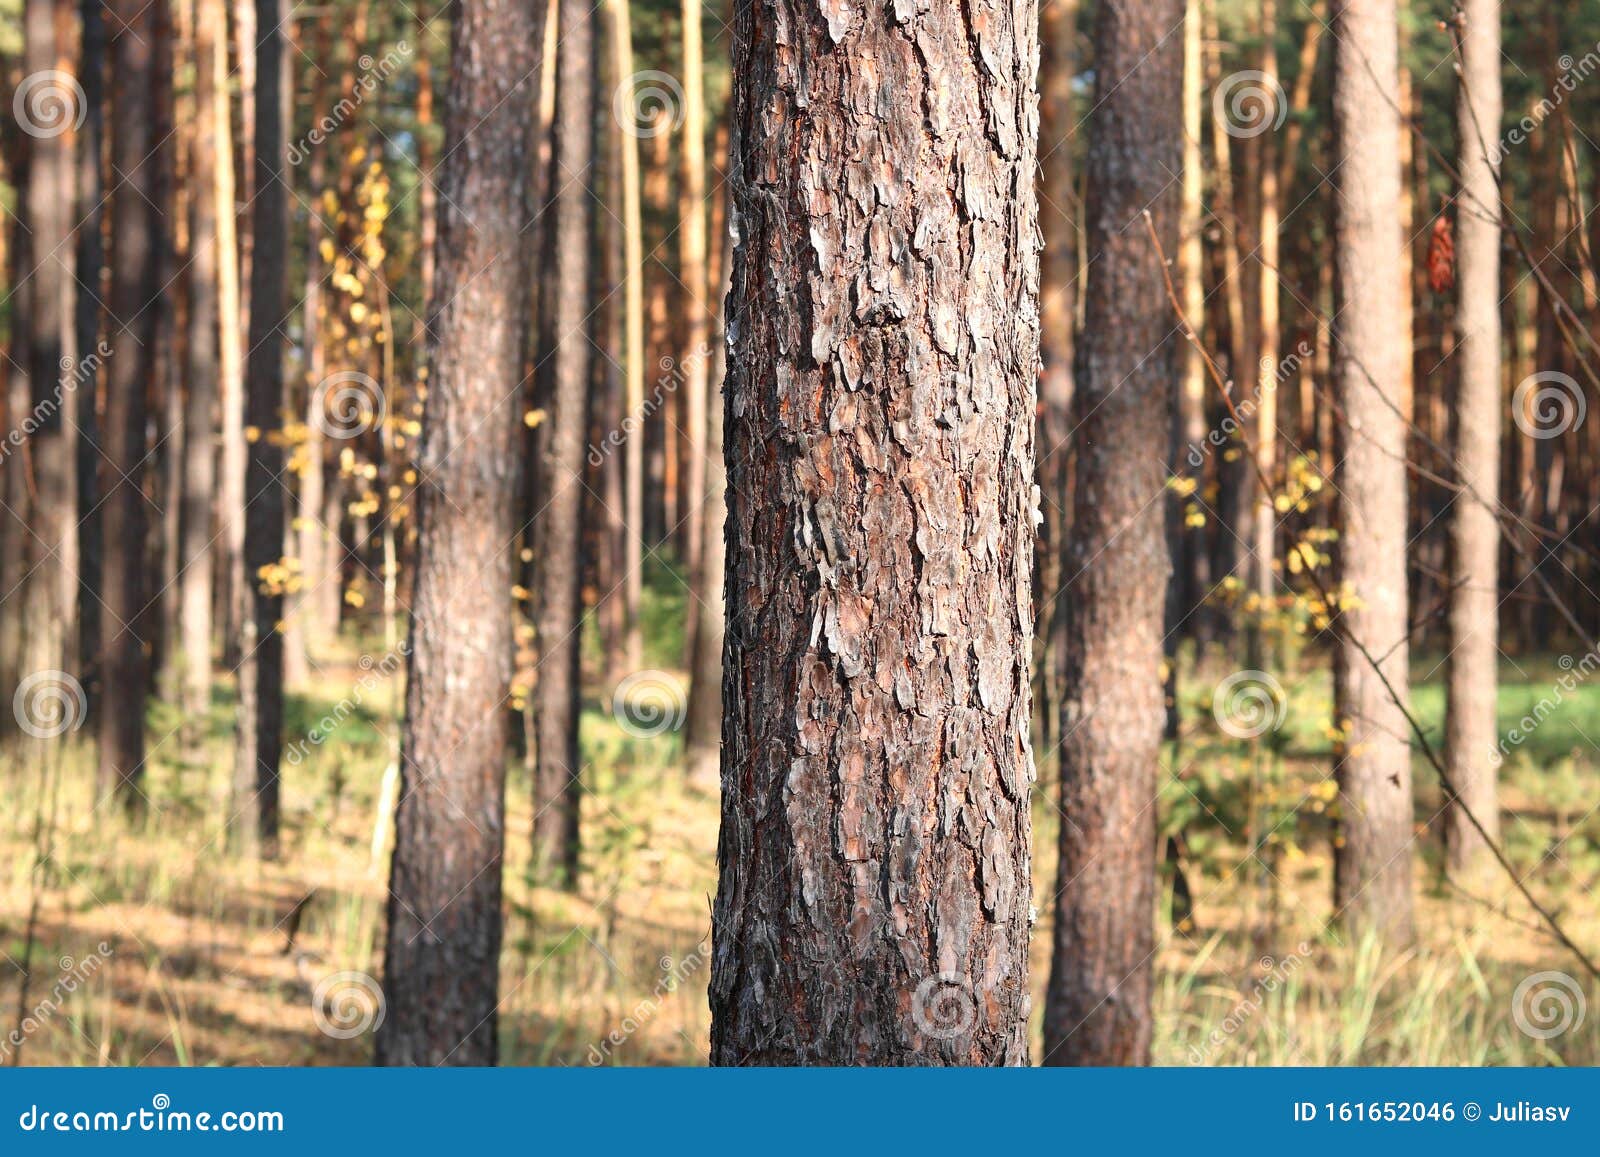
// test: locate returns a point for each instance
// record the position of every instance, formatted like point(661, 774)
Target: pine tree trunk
point(1097, 1007)
point(91, 263)
point(442, 960)
point(633, 351)
point(211, 199)
point(253, 823)
point(694, 358)
point(46, 296)
point(1372, 862)
point(560, 554)
point(875, 847)
point(135, 228)
point(1265, 436)
point(1471, 726)
point(1058, 313)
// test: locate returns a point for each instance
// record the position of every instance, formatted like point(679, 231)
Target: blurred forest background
point(162, 610)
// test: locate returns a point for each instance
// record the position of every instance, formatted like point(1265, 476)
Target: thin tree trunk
point(633, 350)
point(211, 199)
point(1058, 308)
point(442, 959)
point(231, 493)
point(1097, 1008)
point(1265, 439)
point(694, 358)
point(1471, 726)
point(1373, 764)
point(875, 848)
point(560, 555)
point(47, 317)
point(253, 813)
point(91, 263)
point(135, 239)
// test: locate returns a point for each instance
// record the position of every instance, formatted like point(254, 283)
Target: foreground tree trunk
point(254, 812)
point(1470, 730)
point(875, 847)
point(560, 554)
point(1097, 1007)
point(442, 957)
point(1372, 865)
point(135, 223)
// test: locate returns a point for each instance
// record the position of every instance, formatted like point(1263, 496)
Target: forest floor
point(151, 946)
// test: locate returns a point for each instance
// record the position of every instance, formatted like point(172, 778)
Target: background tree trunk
point(442, 961)
point(135, 237)
point(212, 199)
point(254, 812)
point(1471, 729)
point(1097, 1008)
point(875, 849)
point(91, 264)
point(557, 785)
point(1372, 864)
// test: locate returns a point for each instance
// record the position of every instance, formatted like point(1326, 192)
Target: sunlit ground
point(216, 963)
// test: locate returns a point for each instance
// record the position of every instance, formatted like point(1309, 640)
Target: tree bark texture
point(442, 957)
point(1372, 865)
point(1098, 1004)
point(883, 353)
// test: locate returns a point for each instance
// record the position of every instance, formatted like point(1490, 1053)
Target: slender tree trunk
point(313, 614)
point(46, 317)
point(1373, 764)
point(1265, 438)
point(1097, 1008)
point(253, 813)
point(556, 782)
point(695, 356)
point(91, 263)
point(633, 350)
point(1058, 309)
point(211, 199)
point(135, 228)
point(1471, 726)
point(875, 848)
point(231, 493)
point(442, 960)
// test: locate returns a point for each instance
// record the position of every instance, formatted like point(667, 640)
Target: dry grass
point(202, 970)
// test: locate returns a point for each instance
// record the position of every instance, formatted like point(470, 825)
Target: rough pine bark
point(254, 813)
point(560, 553)
point(873, 906)
point(125, 668)
point(1097, 1008)
point(443, 950)
point(1471, 728)
point(1372, 866)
